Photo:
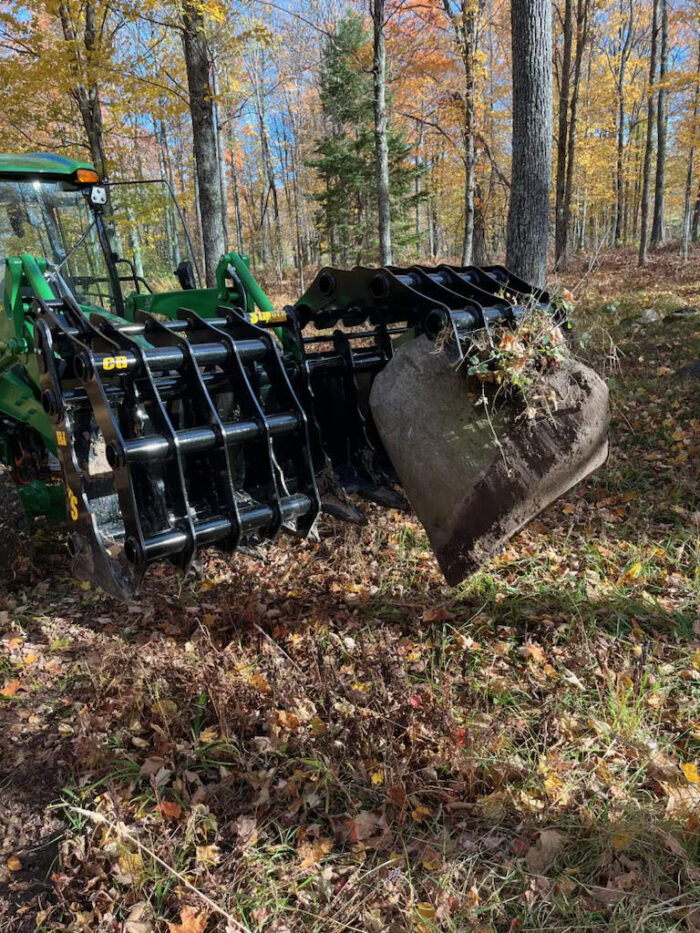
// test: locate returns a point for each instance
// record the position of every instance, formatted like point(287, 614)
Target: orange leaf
point(311, 853)
point(14, 864)
point(419, 813)
point(190, 922)
point(170, 809)
point(435, 615)
point(11, 687)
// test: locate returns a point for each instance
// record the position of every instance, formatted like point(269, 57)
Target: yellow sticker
point(268, 317)
point(114, 362)
point(61, 438)
point(73, 504)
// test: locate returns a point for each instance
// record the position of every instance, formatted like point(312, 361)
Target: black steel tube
point(253, 517)
point(138, 328)
point(195, 440)
point(169, 387)
point(166, 358)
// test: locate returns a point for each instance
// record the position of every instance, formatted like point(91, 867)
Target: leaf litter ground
point(325, 737)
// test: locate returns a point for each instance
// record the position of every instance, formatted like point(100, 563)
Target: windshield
point(145, 228)
point(53, 221)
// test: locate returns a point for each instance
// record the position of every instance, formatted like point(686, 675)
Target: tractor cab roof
point(41, 165)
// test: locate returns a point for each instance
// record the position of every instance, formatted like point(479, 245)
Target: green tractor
point(157, 417)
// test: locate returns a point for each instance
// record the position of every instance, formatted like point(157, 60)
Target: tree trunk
point(234, 185)
point(649, 148)
point(658, 232)
point(690, 175)
point(528, 215)
point(381, 142)
point(626, 35)
point(417, 186)
point(465, 16)
point(480, 251)
point(582, 18)
point(211, 208)
point(87, 96)
point(268, 168)
point(560, 234)
point(220, 153)
point(696, 219)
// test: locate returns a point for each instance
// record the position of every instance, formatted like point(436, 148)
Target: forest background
point(289, 173)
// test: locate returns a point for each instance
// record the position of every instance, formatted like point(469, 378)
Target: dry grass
point(328, 738)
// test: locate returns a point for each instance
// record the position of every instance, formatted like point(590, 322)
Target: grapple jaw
point(171, 436)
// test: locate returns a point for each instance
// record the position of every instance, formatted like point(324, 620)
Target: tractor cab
point(101, 244)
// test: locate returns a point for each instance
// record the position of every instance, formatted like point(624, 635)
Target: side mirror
point(185, 276)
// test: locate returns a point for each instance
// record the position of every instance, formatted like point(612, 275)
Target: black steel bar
point(252, 518)
point(168, 357)
point(195, 440)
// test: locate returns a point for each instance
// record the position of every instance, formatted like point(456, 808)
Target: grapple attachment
point(171, 436)
point(224, 429)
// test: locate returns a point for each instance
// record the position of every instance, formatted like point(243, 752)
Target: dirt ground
point(324, 736)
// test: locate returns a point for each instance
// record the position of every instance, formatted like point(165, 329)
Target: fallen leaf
point(311, 853)
point(425, 911)
point(170, 809)
point(129, 868)
point(10, 688)
point(139, 919)
point(166, 709)
point(397, 795)
point(435, 615)
point(260, 682)
point(431, 860)
point(606, 895)
point(420, 813)
point(544, 851)
point(621, 841)
point(534, 653)
point(152, 765)
point(364, 825)
point(208, 855)
point(190, 922)
point(690, 770)
point(377, 778)
point(14, 864)
point(247, 829)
